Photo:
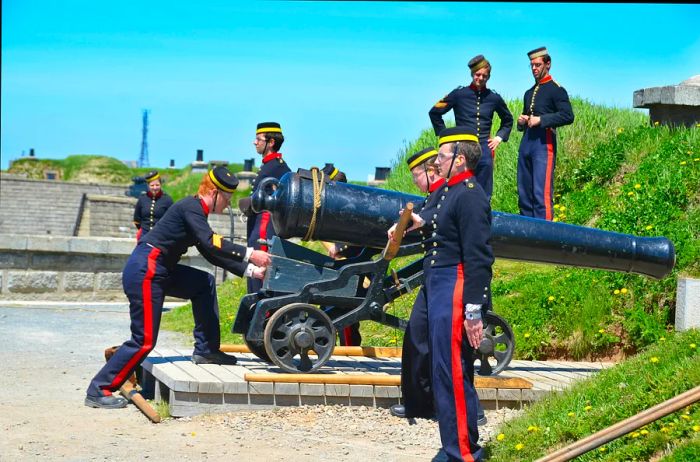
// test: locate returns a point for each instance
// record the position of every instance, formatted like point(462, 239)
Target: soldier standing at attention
point(457, 270)
point(415, 357)
point(268, 141)
point(474, 107)
point(151, 207)
point(546, 106)
point(152, 272)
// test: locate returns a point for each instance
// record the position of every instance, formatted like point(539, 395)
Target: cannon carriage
point(307, 296)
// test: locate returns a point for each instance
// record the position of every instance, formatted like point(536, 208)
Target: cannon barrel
point(361, 215)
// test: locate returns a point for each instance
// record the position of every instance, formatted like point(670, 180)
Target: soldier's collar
point(547, 78)
point(158, 194)
point(460, 177)
point(436, 185)
point(204, 207)
point(474, 87)
point(271, 156)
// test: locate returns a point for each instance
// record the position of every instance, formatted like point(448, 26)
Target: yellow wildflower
point(603, 449)
point(644, 432)
point(588, 408)
point(664, 430)
point(662, 339)
point(656, 124)
point(620, 130)
point(501, 437)
point(696, 428)
point(532, 428)
point(693, 346)
point(550, 298)
point(616, 291)
point(654, 359)
point(648, 227)
point(635, 435)
point(556, 206)
point(631, 193)
point(562, 208)
point(637, 186)
point(683, 162)
point(697, 159)
point(555, 219)
point(623, 290)
point(519, 446)
point(527, 335)
point(685, 417)
point(571, 414)
point(601, 331)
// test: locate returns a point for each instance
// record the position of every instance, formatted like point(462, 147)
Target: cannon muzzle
point(361, 215)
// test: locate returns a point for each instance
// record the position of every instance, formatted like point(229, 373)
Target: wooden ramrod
point(361, 215)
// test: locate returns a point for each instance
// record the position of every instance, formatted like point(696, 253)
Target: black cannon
point(284, 323)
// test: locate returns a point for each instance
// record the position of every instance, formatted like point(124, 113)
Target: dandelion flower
point(501, 437)
point(616, 291)
point(683, 162)
point(588, 408)
point(519, 446)
point(603, 449)
point(648, 227)
point(562, 208)
point(664, 430)
point(623, 290)
point(555, 219)
point(693, 346)
point(631, 193)
point(654, 359)
point(635, 435)
point(527, 335)
point(656, 124)
point(662, 339)
point(696, 428)
point(556, 206)
point(532, 428)
point(571, 414)
point(601, 331)
point(644, 432)
point(550, 298)
point(637, 186)
point(620, 130)
point(685, 417)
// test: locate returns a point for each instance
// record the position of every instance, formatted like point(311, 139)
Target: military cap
point(421, 157)
point(268, 127)
point(223, 179)
point(330, 171)
point(152, 176)
point(459, 133)
point(478, 62)
point(537, 53)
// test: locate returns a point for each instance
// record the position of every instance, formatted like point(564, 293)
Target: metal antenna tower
point(143, 158)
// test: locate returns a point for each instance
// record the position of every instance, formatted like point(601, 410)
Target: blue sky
point(350, 82)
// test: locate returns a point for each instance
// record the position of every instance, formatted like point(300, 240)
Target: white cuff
point(500, 140)
point(249, 270)
point(472, 308)
point(248, 253)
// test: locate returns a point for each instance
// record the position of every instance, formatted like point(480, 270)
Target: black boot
point(398, 410)
point(217, 357)
point(105, 402)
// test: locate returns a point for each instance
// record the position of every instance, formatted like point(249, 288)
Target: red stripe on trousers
point(264, 220)
point(457, 372)
point(147, 346)
point(548, 177)
point(347, 335)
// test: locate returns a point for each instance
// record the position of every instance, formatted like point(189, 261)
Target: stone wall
point(44, 267)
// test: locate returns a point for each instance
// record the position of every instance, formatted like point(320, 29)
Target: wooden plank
point(368, 351)
point(385, 380)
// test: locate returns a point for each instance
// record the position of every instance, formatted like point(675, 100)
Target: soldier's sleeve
point(506, 119)
point(474, 220)
point(522, 127)
point(137, 214)
point(438, 110)
point(236, 267)
point(211, 244)
point(564, 114)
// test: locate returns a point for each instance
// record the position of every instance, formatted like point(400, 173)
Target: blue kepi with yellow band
point(454, 134)
point(223, 179)
point(421, 157)
point(268, 127)
point(153, 175)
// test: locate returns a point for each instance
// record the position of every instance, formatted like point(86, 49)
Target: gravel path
point(48, 354)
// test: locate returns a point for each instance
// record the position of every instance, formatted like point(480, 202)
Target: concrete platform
point(192, 389)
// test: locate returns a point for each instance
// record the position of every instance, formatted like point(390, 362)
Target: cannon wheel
point(293, 331)
point(497, 347)
point(257, 348)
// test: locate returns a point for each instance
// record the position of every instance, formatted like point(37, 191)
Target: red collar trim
point(548, 78)
point(460, 177)
point(436, 185)
point(271, 156)
point(474, 87)
point(204, 207)
point(158, 194)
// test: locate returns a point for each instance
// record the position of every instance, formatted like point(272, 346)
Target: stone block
point(47, 243)
point(93, 245)
point(78, 281)
point(13, 259)
point(60, 261)
point(109, 281)
point(13, 242)
point(32, 281)
point(687, 304)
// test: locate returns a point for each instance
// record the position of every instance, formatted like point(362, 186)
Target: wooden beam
point(367, 351)
point(372, 379)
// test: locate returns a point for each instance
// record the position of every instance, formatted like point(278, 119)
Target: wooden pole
point(622, 428)
point(372, 379)
point(135, 397)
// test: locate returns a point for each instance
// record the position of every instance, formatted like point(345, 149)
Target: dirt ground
point(49, 353)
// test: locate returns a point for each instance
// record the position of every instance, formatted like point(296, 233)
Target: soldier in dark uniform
point(457, 269)
point(416, 391)
point(152, 272)
point(474, 107)
point(546, 106)
point(151, 207)
point(268, 141)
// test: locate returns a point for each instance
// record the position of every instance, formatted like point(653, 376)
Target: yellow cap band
point(217, 183)
point(422, 159)
point(538, 54)
point(333, 174)
point(153, 178)
point(453, 138)
point(480, 65)
point(268, 130)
